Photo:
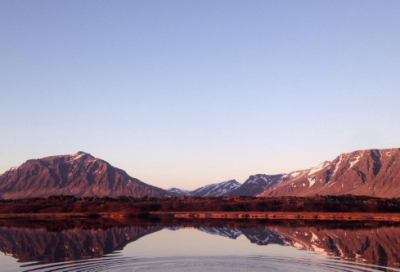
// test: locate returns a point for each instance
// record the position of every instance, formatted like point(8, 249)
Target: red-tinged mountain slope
point(79, 174)
point(366, 172)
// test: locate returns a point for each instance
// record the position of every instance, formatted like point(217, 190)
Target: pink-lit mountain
point(79, 174)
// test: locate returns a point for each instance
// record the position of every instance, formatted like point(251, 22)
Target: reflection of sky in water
point(8, 263)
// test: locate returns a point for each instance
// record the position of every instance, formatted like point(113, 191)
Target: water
point(214, 245)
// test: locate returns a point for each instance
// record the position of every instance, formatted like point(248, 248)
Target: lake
point(198, 245)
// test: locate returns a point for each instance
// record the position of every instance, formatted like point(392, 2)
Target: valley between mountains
point(373, 172)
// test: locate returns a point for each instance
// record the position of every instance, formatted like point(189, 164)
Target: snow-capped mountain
point(217, 189)
point(371, 172)
point(178, 191)
point(256, 184)
point(79, 174)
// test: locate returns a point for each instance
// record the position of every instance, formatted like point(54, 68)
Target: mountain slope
point(256, 184)
point(217, 189)
point(364, 172)
point(79, 174)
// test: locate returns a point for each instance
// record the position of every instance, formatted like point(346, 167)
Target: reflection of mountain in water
point(257, 235)
point(378, 245)
point(232, 233)
point(40, 245)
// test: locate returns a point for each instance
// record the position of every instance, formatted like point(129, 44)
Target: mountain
point(372, 172)
point(256, 184)
point(217, 189)
point(178, 191)
point(79, 174)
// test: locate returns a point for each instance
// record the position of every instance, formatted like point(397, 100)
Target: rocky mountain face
point(217, 189)
point(365, 172)
point(256, 184)
point(79, 174)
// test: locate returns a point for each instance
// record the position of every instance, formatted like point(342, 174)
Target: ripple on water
point(115, 263)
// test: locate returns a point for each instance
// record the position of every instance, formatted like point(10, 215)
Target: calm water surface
point(199, 246)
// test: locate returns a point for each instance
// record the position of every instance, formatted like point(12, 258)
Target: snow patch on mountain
point(295, 174)
point(353, 161)
point(318, 168)
point(311, 180)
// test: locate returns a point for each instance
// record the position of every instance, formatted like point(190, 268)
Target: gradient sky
point(187, 93)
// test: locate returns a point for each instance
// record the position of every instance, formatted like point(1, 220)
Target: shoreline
point(338, 216)
point(394, 217)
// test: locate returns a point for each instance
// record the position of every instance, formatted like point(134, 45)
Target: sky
point(188, 93)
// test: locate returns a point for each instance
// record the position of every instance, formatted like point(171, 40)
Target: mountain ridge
point(370, 172)
point(215, 189)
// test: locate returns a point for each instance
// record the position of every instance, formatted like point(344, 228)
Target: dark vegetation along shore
point(318, 207)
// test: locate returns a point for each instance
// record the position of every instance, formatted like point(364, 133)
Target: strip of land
point(346, 207)
point(393, 217)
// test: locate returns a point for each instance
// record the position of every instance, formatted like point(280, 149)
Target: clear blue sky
point(186, 93)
